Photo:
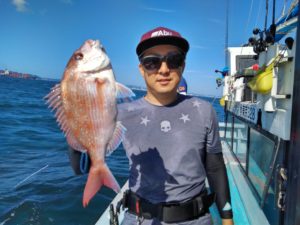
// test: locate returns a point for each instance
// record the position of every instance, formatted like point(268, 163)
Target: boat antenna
point(273, 16)
point(226, 33)
point(266, 16)
point(273, 25)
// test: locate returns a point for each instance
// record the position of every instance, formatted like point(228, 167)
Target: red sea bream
point(85, 104)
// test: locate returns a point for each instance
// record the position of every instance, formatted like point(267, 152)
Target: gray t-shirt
point(166, 147)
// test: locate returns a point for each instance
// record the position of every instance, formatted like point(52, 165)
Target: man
point(172, 142)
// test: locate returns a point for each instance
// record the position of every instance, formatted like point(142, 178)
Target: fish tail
point(96, 178)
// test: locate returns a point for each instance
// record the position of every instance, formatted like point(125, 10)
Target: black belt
point(168, 212)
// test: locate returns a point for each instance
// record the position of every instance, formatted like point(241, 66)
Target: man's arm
point(216, 170)
point(80, 161)
point(218, 181)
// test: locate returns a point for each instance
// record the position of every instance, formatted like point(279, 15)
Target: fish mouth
point(99, 69)
point(97, 44)
point(94, 43)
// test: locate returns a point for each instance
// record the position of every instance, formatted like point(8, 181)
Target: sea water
point(37, 183)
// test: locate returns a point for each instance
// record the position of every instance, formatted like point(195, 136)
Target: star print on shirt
point(184, 117)
point(145, 120)
point(196, 104)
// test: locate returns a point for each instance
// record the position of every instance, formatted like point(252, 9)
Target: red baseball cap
point(161, 36)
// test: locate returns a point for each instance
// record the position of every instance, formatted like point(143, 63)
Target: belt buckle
point(139, 220)
point(200, 205)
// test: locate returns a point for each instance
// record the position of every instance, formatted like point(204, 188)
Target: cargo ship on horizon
point(14, 74)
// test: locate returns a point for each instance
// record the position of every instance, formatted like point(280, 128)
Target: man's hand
point(227, 222)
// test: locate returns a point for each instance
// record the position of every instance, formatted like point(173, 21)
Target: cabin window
point(239, 145)
point(244, 61)
point(229, 126)
point(260, 156)
point(256, 151)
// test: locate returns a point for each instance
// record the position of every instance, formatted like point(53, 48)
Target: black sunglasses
point(174, 60)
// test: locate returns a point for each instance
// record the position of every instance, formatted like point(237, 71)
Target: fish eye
point(78, 56)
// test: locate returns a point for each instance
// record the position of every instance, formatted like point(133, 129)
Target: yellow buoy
point(222, 101)
point(263, 82)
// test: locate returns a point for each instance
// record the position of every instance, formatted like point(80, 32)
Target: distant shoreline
point(35, 77)
point(13, 74)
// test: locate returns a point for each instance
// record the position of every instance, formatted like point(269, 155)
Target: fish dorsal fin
point(116, 139)
point(124, 92)
point(54, 101)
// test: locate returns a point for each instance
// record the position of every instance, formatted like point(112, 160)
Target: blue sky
point(39, 36)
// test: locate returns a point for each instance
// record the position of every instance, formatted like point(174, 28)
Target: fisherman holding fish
point(172, 140)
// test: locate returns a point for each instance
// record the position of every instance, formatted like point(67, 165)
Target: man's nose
point(164, 69)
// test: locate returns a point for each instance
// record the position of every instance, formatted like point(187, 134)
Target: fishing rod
point(266, 37)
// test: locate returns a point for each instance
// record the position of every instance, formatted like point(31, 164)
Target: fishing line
point(249, 16)
point(2, 223)
point(212, 102)
point(18, 184)
point(247, 24)
point(258, 14)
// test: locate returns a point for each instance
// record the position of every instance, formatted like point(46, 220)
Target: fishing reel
point(262, 39)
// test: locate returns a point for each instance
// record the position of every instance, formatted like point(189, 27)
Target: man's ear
point(142, 71)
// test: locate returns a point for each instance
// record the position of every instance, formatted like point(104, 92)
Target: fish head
point(90, 57)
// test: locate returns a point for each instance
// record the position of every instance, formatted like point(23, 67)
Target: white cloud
point(158, 10)
point(20, 5)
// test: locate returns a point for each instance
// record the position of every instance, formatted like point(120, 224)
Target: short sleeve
point(213, 143)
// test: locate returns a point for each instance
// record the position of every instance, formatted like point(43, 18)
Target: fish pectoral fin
point(124, 92)
point(116, 139)
point(72, 141)
point(100, 81)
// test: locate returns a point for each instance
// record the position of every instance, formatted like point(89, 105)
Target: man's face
point(162, 80)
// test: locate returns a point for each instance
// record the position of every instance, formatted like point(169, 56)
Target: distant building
point(4, 72)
